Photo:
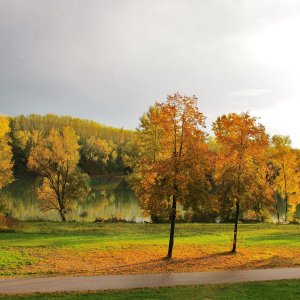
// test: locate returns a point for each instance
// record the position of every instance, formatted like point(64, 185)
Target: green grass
point(15, 247)
point(14, 259)
point(89, 235)
point(281, 290)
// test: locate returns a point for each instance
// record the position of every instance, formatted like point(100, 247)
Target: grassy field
point(53, 248)
point(281, 290)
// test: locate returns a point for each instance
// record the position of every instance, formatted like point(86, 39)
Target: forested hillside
point(103, 149)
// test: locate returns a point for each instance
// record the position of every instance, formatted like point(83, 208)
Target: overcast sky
point(109, 60)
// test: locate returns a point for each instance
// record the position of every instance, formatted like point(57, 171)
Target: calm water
point(109, 197)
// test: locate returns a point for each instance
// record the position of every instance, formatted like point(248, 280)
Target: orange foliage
point(172, 158)
point(241, 165)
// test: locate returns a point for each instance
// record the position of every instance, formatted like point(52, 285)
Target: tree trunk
point(277, 213)
point(172, 229)
point(237, 212)
point(286, 208)
point(62, 215)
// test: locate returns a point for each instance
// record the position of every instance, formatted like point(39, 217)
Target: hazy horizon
point(108, 61)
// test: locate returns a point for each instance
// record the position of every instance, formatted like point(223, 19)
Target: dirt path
point(114, 282)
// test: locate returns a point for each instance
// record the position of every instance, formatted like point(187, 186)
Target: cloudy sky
point(108, 60)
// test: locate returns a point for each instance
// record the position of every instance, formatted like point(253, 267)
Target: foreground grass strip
point(281, 290)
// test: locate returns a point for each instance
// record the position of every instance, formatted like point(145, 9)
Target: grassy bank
point(53, 248)
point(281, 290)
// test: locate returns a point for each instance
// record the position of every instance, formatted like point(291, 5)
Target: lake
point(109, 197)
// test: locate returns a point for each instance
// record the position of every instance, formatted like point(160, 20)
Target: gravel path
point(114, 282)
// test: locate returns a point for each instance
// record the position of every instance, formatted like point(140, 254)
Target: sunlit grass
point(56, 234)
point(97, 248)
point(10, 260)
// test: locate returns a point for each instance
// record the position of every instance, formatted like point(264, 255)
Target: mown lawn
point(53, 248)
point(281, 290)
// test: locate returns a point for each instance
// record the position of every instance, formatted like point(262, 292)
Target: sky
point(108, 60)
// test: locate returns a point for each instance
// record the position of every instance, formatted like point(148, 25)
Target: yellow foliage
point(6, 175)
point(287, 180)
point(55, 158)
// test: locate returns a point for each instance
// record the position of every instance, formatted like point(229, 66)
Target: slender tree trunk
point(172, 229)
point(277, 213)
point(286, 207)
point(285, 193)
point(237, 212)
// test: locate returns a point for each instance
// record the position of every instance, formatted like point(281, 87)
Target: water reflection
point(109, 197)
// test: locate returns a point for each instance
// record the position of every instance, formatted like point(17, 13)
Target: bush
point(8, 222)
point(114, 219)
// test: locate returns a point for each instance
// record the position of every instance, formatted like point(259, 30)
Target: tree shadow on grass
point(275, 261)
point(163, 265)
point(224, 260)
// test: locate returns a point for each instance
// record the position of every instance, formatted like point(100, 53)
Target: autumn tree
point(286, 183)
point(95, 155)
point(22, 143)
point(147, 151)
point(171, 158)
point(240, 174)
point(150, 130)
point(6, 164)
point(55, 159)
point(271, 176)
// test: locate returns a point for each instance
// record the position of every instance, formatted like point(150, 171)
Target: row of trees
point(102, 148)
point(83, 128)
point(240, 170)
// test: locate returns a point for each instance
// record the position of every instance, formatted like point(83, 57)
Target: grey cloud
point(109, 60)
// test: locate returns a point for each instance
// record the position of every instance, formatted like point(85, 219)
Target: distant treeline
point(103, 148)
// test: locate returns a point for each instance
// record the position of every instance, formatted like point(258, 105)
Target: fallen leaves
point(151, 259)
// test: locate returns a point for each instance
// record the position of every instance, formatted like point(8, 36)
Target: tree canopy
point(102, 148)
point(171, 162)
point(241, 174)
point(6, 163)
point(55, 159)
